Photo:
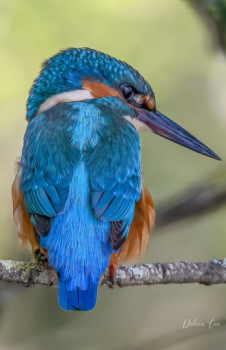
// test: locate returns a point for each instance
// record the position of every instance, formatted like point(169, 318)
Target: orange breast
point(138, 238)
point(22, 220)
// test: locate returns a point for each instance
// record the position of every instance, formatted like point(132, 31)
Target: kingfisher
point(79, 200)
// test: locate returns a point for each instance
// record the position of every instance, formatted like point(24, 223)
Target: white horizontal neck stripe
point(68, 96)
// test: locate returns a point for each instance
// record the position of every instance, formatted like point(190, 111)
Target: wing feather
point(47, 166)
point(115, 178)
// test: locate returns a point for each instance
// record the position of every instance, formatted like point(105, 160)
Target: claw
point(110, 283)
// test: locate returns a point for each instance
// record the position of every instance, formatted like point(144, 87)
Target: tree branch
point(203, 197)
point(211, 272)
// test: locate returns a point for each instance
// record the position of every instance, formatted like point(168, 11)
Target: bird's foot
point(40, 257)
point(112, 271)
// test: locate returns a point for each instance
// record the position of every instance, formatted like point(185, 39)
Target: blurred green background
point(171, 46)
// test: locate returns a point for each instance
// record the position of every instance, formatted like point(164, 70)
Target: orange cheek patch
point(149, 101)
point(98, 89)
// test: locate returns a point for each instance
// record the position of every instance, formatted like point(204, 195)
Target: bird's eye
point(127, 91)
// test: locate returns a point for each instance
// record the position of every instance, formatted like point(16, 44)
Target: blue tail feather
point(77, 299)
point(78, 246)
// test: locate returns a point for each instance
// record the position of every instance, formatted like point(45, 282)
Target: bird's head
point(85, 74)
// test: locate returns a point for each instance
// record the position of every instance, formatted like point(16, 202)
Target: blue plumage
point(77, 299)
point(83, 184)
point(78, 243)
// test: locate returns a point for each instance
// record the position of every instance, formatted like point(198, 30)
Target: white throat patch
point(138, 125)
point(68, 96)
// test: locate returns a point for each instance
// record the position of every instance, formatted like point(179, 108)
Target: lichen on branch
point(208, 273)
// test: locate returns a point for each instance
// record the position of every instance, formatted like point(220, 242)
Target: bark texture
point(210, 272)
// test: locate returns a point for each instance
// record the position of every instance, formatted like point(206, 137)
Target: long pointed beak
point(163, 126)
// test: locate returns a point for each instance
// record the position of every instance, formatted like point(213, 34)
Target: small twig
point(211, 272)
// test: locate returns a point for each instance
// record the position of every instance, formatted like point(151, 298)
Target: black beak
point(163, 126)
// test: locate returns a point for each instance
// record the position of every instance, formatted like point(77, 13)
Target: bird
point(79, 200)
